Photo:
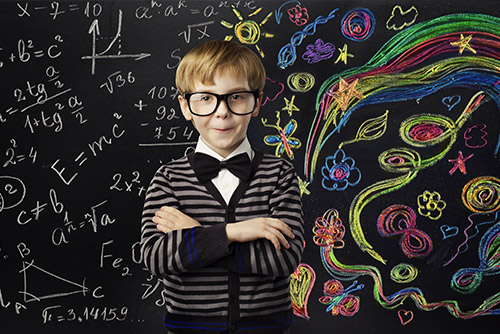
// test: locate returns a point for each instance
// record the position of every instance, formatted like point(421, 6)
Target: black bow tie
point(207, 167)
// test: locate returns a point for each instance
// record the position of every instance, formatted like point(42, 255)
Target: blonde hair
point(207, 60)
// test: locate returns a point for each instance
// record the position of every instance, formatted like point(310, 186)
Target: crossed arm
point(169, 219)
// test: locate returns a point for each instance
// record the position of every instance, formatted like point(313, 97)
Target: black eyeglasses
point(204, 104)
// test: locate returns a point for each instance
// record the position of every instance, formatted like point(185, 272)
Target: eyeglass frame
point(221, 97)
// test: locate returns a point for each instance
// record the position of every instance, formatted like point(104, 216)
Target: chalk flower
point(431, 205)
point(329, 230)
point(339, 172)
point(298, 15)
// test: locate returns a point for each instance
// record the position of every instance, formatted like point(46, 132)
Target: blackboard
point(389, 111)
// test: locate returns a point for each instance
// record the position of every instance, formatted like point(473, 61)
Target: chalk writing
point(57, 314)
point(13, 156)
point(94, 30)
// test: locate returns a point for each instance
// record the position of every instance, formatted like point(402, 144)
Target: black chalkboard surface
point(389, 111)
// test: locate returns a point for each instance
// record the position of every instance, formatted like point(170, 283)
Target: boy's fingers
point(278, 239)
point(163, 228)
point(284, 228)
point(283, 241)
point(160, 218)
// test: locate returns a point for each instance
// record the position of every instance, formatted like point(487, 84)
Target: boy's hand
point(271, 229)
point(169, 219)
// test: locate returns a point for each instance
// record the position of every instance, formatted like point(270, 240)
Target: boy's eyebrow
point(237, 89)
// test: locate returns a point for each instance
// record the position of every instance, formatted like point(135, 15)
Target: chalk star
point(343, 55)
point(290, 106)
point(303, 187)
point(463, 44)
point(459, 163)
point(346, 92)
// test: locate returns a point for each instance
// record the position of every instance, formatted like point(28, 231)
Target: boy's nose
point(222, 110)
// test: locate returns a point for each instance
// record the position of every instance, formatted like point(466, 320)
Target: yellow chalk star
point(290, 106)
point(343, 55)
point(463, 44)
point(303, 187)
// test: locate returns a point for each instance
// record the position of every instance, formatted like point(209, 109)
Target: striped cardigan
point(211, 287)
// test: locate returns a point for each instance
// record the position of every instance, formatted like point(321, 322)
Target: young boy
point(224, 241)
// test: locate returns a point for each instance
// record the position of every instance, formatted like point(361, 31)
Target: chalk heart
point(301, 285)
point(451, 101)
point(448, 231)
point(405, 317)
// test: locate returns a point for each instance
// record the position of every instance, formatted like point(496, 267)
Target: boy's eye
point(203, 98)
point(237, 97)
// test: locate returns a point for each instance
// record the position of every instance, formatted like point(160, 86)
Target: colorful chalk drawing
point(248, 31)
point(410, 16)
point(490, 255)
point(340, 172)
point(301, 82)
point(405, 317)
point(381, 80)
point(283, 141)
point(464, 246)
point(475, 140)
point(401, 220)
point(344, 55)
point(358, 24)
point(318, 51)
point(467, 280)
point(430, 205)
point(451, 101)
point(276, 87)
point(298, 15)
point(482, 194)
point(288, 54)
point(303, 187)
point(301, 285)
point(459, 163)
point(423, 61)
point(371, 129)
point(339, 300)
point(404, 273)
point(290, 106)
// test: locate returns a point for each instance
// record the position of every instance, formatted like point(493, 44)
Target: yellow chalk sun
point(248, 31)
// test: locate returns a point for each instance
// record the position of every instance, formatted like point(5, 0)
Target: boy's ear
point(255, 113)
point(184, 108)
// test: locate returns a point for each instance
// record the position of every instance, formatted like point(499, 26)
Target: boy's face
point(222, 131)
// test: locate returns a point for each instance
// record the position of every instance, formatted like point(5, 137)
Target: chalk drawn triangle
point(55, 286)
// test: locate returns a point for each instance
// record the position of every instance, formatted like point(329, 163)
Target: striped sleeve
point(260, 256)
point(180, 250)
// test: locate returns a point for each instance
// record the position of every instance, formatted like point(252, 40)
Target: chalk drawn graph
point(95, 31)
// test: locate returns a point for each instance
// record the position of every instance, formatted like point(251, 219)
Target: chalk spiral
point(482, 194)
point(358, 24)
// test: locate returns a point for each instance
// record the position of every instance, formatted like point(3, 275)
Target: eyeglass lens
point(239, 102)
